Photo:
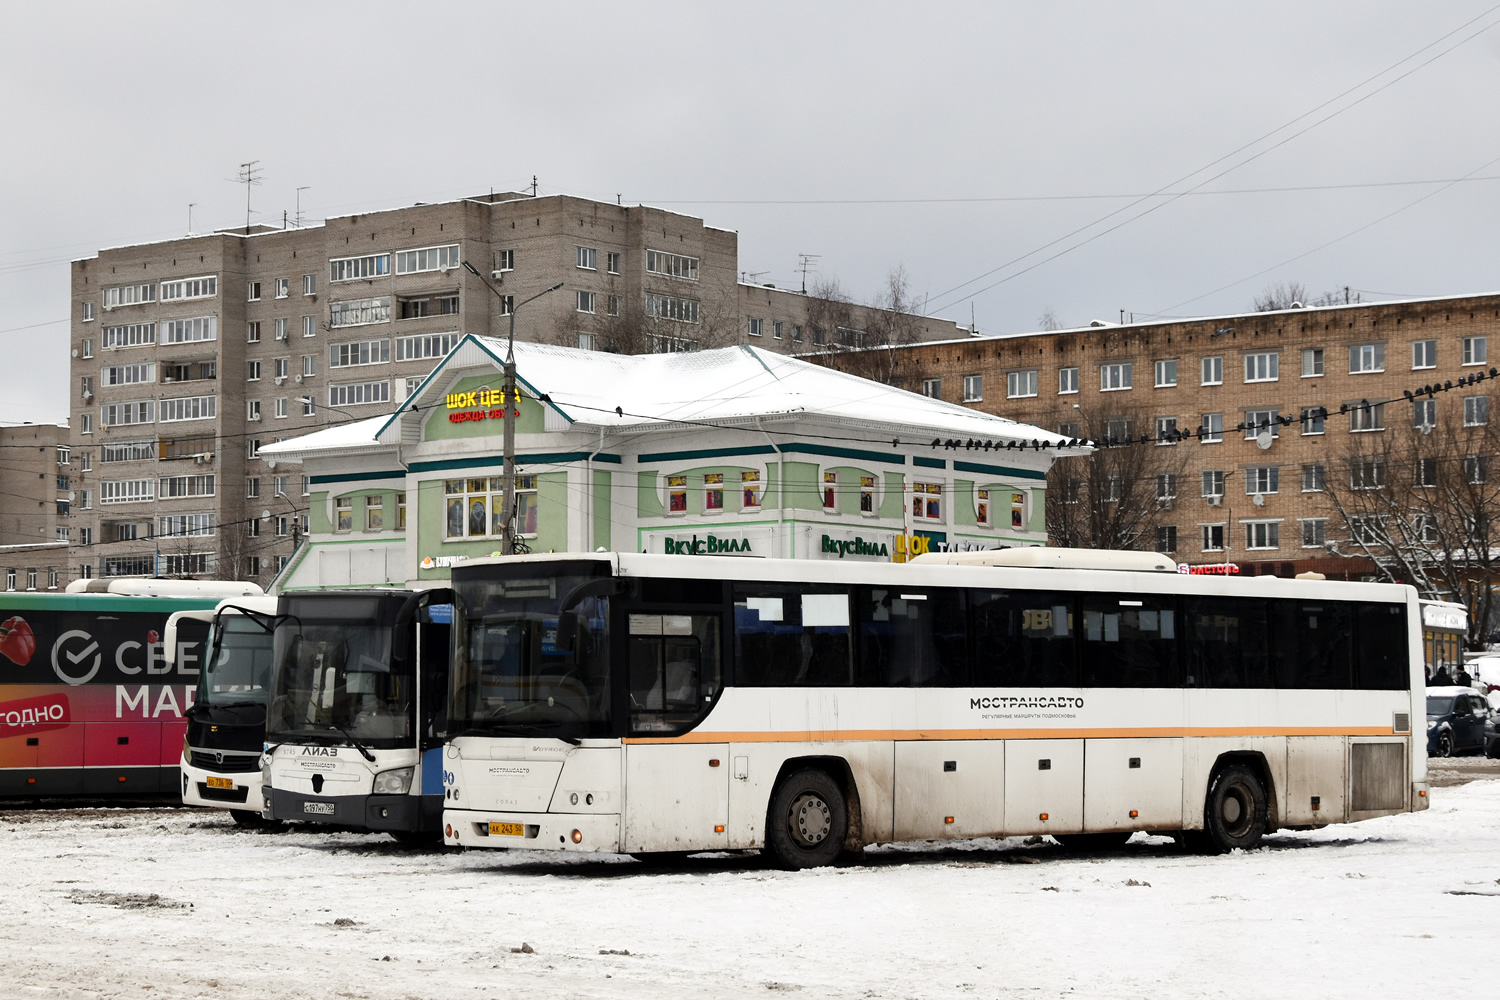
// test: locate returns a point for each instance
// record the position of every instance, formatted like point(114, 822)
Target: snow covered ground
point(172, 903)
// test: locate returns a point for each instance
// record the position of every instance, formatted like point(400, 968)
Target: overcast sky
point(948, 139)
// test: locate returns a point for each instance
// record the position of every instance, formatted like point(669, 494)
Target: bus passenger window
point(1380, 648)
point(788, 635)
point(1313, 647)
point(909, 636)
point(674, 669)
point(1129, 641)
point(1226, 644)
point(1023, 639)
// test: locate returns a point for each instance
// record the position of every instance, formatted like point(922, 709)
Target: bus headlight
point(397, 782)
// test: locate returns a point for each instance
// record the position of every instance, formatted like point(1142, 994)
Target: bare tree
point(1118, 496)
point(1420, 500)
point(863, 340)
point(1048, 320)
point(1293, 295)
point(620, 324)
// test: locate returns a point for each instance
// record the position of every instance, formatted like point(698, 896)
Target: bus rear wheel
point(1236, 812)
point(808, 820)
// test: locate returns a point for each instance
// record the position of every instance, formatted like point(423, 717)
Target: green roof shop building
point(733, 451)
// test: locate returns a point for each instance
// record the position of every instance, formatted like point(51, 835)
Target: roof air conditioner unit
point(1214, 501)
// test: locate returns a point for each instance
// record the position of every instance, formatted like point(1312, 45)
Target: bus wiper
point(365, 753)
point(514, 730)
point(205, 705)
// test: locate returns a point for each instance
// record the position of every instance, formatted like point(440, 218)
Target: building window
point(1213, 482)
point(1425, 527)
point(1366, 416)
point(1262, 367)
point(1425, 472)
point(671, 307)
point(1166, 374)
point(1166, 486)
point(352, 268)
point(1314, 532)
point(927, 502)
point(1262, 479)
point(1261, 420)
point(252, 449)
point(186, 486)
point(677, 494)
point(1213, 370)
point(252, 487)
point(280, 407)
point(1424, 354)
point(1262, 535)
point(587, 257)
point(282, 367)
point(252, 409)
point(354, 312)
point(10, 579)
point(88, 312)
point(1166, 538)
point(1117, 430)
point(796, 333)
point(189, 408)
point(359, 393)
point(982, 512)
point(191, 288)
point(932, 388)
point(129, 295)
point(1212, 427)
point(612, 305)
point(86, 461)
point(126, 490)
point(190, 331)
point(1424, 414)
point(1476, 469)
point(253, 371)
point(713, 492)
point(309, 327)
point(1366, 358)
point(830, 492)
point(973, 388)
point(476, 507)
point(126, 375)
point(505, 260)
point(756, 325)
point(1476, 350)
point(776, 329)
point(85, 536)
point(400, 506)
point(1213, 537)
point(134, 335)
point(1367, 474)
point(612, 262)
point(1115, 377)
point(1067, 381)
point(1312, 420)
point(375, 512)
point(310, 405)
point(1019, 385)
point(185, 525)
point(283, 287)
point(585, 341)
point(254, 291)
point(309, 284)
point(443, 258)
point(750, 491)
point(1312, 362)
point(585, 302)
point(1112, 489)
point(358, 352)
point(283, 329)
point(671, 265)
point(343, 514)
point(1476, 411)
point(1166, 430)
point(1312, 478)
point(88, 348)
point(31, 578)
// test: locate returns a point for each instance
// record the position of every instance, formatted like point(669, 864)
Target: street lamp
point(309, 401)
point(508, 498)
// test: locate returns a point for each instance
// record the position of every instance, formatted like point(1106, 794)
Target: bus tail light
point(718, 828)
point(448, 831)
point(577, 836)
point(1421, 792)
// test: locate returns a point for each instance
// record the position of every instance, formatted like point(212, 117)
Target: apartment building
point(1256, 420)
point(34, 502)
point(191, 354)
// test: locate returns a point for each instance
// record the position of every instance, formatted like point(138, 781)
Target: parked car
point(1492, 732)
point(1457, 718)
point(1486, 673)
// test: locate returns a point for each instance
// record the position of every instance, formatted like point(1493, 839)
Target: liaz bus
point(354, 723)
point(652, 703)
point(226, 727)
point(89, 702)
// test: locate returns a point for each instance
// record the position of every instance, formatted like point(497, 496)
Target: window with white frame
point(1112, 489)
point(1476, 350)
point(252, 448)
point(190, 331)
point(132, 335)
point(1019, 385)
point(1264, 367)
point(252, 409)
point(309, 326)
point(1366, 416)
point(750, 491)
point(190, 288)
point(1313, 478)
point(278, 485)
point(1166, 538)
point(1114, 377)
point(1166, 373)
point(126, 490)
point(442, 258)
point(1312, 362)
point(352, 268)
point(128, 374)
point(1067, 381)
point(1211, 428)
point(1262, 479)
point(359, 393)
point(1424, 414)
point(283, 365)
point(280, 407)
point(1213, 482)
point(185, 525)
point(1262, 534)
point(186, 486)
point(1166, 486)
point(1424, 354)
point(830, 492)
point(671, 265)
point(587, 258)
point(129, 295)
point(612, 262)
point(254, 292)
point(1476, 411)
point(1313, 418)
point(973, 388)
point(252, 488)
point(356, 312)
point(88, 312)
point(585, 303)
point(375, 512)
point(867, 497)
point(310, 405)
point(713, 492)
point(1365, 358)
point(141, 411)
point(283, 287)
point(1314, 532)
point(927, 502)
point(309, 284)
point(1166, 430)
point(475, 507)
point(1213, 370)
point(189, 408)
point(984, 514)
point(671, 307)
point(505, 260)
point(756, 325)
point(283, 329)
point(1261, 420)
point(1425, 527)
point(426, 345)
point(1424, 472)
point(359, 352)
point(932, 388)
point(85, 423)
point(1367, 473)
point(1476, 469)
point(86, 348)
point(776, 326)
point(310, 365)
point(253, 371)
point(1213, 537)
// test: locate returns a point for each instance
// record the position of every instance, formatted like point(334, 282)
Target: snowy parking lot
point(171, 903)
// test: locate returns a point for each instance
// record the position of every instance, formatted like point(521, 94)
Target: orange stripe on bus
point(867, 735)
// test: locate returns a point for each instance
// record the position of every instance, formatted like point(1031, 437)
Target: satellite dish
point(1264, 438)
point(265, 515)
point(1259, 499)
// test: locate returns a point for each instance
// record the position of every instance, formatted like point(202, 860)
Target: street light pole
point(509, 400)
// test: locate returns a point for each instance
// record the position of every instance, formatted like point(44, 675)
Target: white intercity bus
point(649, 703)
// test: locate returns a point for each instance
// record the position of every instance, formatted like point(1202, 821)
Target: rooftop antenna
point(533, 185)
point(190, 217)
point(249, 176)
point(305, 187)
point(806, 261)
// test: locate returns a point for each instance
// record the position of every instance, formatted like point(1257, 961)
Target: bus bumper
point(1419, 796)
point(385, 813)
point(243, 791)
point(583, 833)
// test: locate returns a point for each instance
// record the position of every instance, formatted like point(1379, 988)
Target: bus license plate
point(508, 829)
point(220, 782)
point(318, 808)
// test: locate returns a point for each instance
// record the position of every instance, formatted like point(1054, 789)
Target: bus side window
point(787, 635)
point(1226, 643)
point(675, 669)
point(1313, 647)
point(1380, 648)
point(912, 636)
point(1024, 639)
point(1129, 641)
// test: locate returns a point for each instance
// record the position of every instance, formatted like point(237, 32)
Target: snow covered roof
point(729, 386)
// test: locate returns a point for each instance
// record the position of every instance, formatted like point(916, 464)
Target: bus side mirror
point(169, 635)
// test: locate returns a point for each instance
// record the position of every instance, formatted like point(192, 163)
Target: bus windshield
point(335, 678)
point(240, 671)
point(511, 676)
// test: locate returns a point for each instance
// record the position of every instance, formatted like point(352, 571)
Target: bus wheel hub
point(812, 819)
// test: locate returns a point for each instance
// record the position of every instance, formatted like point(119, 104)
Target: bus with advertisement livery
point(89, 703)
point(641, 703)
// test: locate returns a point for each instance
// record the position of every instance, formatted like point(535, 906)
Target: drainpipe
point(780, 492)
point(588, 491)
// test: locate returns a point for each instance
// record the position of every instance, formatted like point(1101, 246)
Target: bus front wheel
point(252, 820)
point(1236, 811)
point(808, 820)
